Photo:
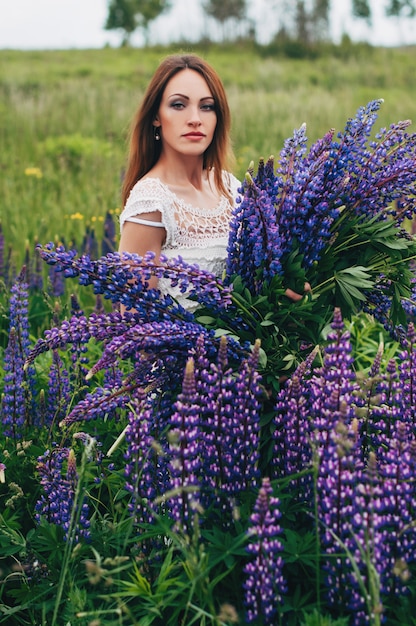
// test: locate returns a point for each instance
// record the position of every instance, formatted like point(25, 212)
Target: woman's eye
point(208, 107)
point(177, 105)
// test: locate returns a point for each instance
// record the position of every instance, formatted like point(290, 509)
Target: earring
point(156, 133)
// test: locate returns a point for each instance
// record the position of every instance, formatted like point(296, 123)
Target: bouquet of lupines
point(331, 217)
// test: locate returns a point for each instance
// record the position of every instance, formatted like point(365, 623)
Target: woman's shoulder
point(149, 185)
point(149, 193)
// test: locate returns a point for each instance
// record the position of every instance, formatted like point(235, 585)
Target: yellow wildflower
point(34, 171)
point(77, 216)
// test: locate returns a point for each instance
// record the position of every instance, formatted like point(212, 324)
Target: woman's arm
point(140, 238)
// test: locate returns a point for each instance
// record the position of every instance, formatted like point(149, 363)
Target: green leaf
point(205, 320)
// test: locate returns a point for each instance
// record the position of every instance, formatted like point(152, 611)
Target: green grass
point(67, 113)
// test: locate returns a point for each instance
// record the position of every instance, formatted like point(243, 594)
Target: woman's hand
point(293, 295)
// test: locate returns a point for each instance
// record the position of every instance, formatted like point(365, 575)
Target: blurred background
point(47, 24)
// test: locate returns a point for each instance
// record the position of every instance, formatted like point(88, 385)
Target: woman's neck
point(179, 173)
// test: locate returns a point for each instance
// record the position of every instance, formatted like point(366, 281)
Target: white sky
point(57, 24)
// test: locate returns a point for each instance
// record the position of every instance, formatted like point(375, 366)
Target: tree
point(401, 8)
point(320, 19)
point(361, 9)
point(128, 15)
point(225, 10)
point(302, 22)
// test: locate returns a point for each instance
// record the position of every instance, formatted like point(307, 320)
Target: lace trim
point(186, 226)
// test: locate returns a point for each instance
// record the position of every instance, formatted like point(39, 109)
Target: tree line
point(300, 20)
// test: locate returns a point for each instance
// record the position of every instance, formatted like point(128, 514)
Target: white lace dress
point(197, 235)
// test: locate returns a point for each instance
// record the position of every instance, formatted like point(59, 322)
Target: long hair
point(144, 151)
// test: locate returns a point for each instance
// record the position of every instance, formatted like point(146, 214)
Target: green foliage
point(316, 619)
point(128, 15)
point(70, 151)
point(223, 10)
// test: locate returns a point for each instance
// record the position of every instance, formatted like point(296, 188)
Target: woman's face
point(187, 115)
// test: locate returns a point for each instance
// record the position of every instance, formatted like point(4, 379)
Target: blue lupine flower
point(108, 243)
point(113, 277)
point(264, 583)
point(293, 452)
point(185, 453)
point(59, 488)
point(19, 391)
point(58, 391)
point(146, 460)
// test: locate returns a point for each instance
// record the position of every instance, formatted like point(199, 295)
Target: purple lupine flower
point(383, 407)
point(99, 403)
point(78, 349)
point(59, 489)
point(184, 446)
point(292, 435)
point(113, 377)
point(306, 212)
point(32, 264)
point(58, 391)
point(37, 276)
point(166, 345)
point(154, 351)
point(409, 305)
point(89, 245)
point(254, 241)
point(264, 583)
point(108, 243)
point(14, 397)
point(56, 282)
point(334, 385)
point(242, 432)
point(146, 461)
point(19, 383)
point(407, 377)
point(210, 385)
point(114, 276)
point(395, 394)
point(229, 417)
point(396, 465)
point(338, 471)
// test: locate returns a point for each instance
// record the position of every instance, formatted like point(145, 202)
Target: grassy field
point(64, 117)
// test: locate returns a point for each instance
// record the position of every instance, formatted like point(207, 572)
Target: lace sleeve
point(148, 196)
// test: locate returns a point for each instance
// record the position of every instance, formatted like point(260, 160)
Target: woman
point(177, 192)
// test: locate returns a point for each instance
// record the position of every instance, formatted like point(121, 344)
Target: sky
point(62, 24)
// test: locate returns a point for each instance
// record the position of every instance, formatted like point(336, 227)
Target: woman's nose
point(195, 117)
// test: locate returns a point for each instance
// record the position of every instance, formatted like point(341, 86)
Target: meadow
point(254, 462)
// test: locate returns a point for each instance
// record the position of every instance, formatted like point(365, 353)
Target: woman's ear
point(156, 123)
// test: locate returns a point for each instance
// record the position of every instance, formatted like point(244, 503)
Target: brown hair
point(145, 151)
